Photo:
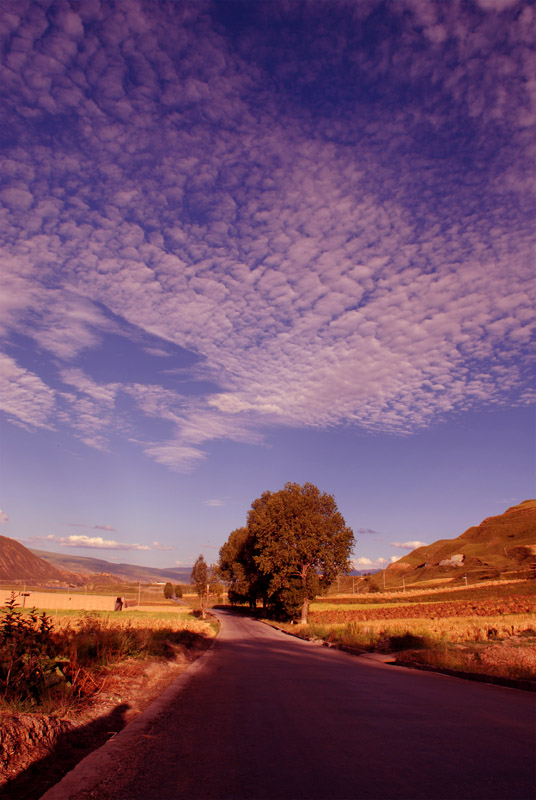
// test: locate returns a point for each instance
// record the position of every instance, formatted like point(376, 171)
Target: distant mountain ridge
point(86, 565)
point(497, 547)
point(18, 563)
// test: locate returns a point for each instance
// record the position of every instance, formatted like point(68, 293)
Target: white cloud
point(158, 546)
point(408, 545)
point(24, 397)
point(368, 563)
point(214, 503)
point(156, 351)
point(96, 542)
point(3, 516)
point(175, 455)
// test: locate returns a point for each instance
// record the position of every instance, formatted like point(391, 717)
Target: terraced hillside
point(500, 547)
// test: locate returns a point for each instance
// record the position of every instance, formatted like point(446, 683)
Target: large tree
point(301, 541)
point(239, 569)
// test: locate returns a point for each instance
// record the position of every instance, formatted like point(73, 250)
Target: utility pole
point(139, 593)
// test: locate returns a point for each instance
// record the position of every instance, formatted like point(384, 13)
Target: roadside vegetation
point(58, 663)
point(484, 629)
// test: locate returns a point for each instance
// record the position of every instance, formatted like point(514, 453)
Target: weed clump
point(42, 665)
point(27, 663)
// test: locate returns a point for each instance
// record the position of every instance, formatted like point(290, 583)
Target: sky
point(246, 243)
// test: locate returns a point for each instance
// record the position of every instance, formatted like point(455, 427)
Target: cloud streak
point(92, 527)
point(408, 545)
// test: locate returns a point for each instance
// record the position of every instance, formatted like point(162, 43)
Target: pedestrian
point(118, 604)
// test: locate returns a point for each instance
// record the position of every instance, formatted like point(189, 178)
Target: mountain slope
point(86, 565)
point(18, 563)
point(499, 546)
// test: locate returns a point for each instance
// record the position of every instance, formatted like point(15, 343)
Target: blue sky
point(245, 243)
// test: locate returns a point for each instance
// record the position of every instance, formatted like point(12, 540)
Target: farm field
point(484, 629)
point(103, 600)
point(76, 676)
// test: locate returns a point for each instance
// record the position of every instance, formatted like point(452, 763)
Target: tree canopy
point(205, 579)
point(168, 591)
point(295, 543)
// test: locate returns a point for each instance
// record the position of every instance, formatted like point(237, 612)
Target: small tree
point(200, 580)
point(168, 591)
point(178, 591)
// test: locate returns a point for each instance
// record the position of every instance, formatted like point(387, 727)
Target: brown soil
point(37, 750)
point(458, 608)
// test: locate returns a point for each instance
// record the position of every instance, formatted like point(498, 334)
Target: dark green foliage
point(199, 579)
point(206, 581)
point(178, 591)
point(286, 602)
point(239, 569)
point(27, 663)
point(406, 641)
point(168, 591)
point(294, 545)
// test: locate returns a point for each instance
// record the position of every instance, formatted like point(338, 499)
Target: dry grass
point(495, 643)
point(61, 660)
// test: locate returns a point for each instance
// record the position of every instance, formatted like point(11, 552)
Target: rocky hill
point(500, 547)
point(17, 564)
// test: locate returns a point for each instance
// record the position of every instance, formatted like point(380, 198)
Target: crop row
point(516, 604)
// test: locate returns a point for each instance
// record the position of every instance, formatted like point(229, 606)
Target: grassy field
point(60, 660)
point(488, 629)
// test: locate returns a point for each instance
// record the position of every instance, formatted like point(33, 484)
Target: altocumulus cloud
point(337, 223)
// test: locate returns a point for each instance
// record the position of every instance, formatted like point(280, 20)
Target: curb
point(479, 677)
point(89, 772)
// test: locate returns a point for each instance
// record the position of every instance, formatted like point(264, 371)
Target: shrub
point(27, 663)
point(406, 641)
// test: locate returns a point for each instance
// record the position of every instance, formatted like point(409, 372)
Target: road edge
point(88, 772)
point(392, 660)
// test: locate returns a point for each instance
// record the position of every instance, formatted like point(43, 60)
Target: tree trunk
point(304, 611)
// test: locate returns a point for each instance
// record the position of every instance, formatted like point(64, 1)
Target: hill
point(18, 563)
point(86, 565)
point(500, 547)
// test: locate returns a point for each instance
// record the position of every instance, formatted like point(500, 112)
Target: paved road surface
point(271, 717)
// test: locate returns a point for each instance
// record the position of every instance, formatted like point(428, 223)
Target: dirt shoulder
point(37, 750)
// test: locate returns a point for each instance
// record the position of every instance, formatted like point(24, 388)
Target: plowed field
point(515, 604)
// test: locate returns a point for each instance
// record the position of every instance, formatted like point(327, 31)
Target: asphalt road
point(271, 717)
